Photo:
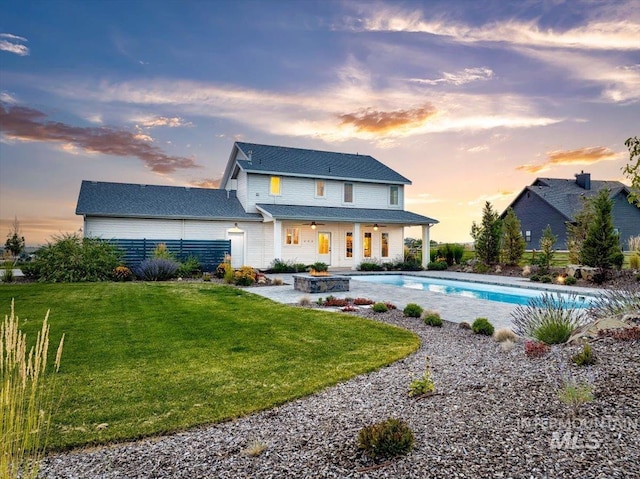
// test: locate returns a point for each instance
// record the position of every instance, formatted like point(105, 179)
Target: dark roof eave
point(326, 177)
point(257, 218)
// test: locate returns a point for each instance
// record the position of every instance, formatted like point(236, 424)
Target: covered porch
point(341, 237)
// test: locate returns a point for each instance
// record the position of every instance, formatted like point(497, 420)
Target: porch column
point(357, 246)
point(277, 239)
point(426, 246)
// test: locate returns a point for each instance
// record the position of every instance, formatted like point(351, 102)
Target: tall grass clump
point(157, 269)
point(615, 302)
point(26, 398)
point(548, 318)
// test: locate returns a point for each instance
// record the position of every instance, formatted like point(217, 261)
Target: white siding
point(241, 184)
point(301, 191)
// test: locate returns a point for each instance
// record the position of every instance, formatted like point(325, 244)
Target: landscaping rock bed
point(495, 414)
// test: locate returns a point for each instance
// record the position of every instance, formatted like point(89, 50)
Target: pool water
point(491, 292)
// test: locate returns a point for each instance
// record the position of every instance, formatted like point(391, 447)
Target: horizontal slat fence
point(210, 253)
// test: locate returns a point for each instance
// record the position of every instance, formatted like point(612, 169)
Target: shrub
point(206, 277)
point(437, 266)
point(370, 266)
point(122, 273)
point(26, 397)
point(72, 259)
point(574, 393)
point(8, 277)
point(482, 326)
point(464, 325)
point(432, 318)
point(380, 308)
point(222, 269)
point(386, 439)
point(570, 281)
point(535, 278)
point(451, 253)
point(584, 357)
point(548, 318)
point(546, 279)
point(319, 266)
point(336, 302)
point(161, 251)
point(362, 301)
point(412, 310)
point(481, 268)
point(189, 268)
point(424, 385)
point(157, 269)
point(634, 261)
point(280, 266)
point(535, 349)
point(245, 276)
point(505, 334)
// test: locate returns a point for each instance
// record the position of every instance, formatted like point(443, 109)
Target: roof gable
point(286, 161)
point(153, 201)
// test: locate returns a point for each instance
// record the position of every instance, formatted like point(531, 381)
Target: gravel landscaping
point(495, 414)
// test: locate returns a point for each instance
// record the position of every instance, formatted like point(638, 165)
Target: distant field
point(143, 359)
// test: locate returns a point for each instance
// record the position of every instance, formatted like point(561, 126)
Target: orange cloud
point(581, 156)
point(373, 121)
point(206, 183)
point(28, 124)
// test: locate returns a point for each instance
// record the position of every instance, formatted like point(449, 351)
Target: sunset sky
point(471, 100)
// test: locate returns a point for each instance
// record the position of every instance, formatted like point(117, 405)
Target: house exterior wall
point(626, 217)
point(534, 215)
point(301, 191)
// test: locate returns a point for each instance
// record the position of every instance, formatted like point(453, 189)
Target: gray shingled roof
point(566, 195)
point(288, 161)
point(151, 201)
point(351, 215)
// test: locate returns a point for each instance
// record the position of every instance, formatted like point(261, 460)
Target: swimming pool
point(491, 292)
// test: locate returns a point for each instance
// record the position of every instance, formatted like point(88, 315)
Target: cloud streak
point(382, 122)
point(27, 124)
point(206, 183)
point(467, 75)
point(580, 156)
point(13, 44)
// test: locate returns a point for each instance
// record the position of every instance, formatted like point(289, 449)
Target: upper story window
point(274, 186)
point(320, 189)
point(394, 195)
point(292, 236)
point(384, 245)
point(527, 236)
point(348, 193)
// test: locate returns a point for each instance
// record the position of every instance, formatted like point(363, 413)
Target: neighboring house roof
point(286, 161)
point(566, 195)
point(356, 215)
point(151, 201)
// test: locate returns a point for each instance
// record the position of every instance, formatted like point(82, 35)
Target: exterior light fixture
point(375, 227)
point(313, 225)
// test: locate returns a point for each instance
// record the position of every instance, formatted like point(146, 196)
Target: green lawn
point(142, 359)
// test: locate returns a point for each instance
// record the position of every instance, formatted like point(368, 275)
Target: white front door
point(237, 249)
point(324, 247)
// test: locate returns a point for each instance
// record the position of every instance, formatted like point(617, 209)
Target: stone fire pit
point(308, 283)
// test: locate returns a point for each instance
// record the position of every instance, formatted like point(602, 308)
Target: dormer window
point(319, 188)
point(274, 187)
point(394, 196)
point(348, 193)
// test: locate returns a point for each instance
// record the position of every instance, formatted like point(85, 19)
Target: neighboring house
point(555, 202)
point(274, 202)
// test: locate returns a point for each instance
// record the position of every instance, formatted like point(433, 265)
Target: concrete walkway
point(451, 308)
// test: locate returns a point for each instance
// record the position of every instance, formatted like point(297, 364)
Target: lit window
point(275, 185)
point(393, 195)
point(385, 245)
point(349, 244)
point(527, 236)
point(367, 245)
point(293, 236)
point(348, 192)
point(319, 189)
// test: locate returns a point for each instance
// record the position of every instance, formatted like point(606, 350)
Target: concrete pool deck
point(451, 308)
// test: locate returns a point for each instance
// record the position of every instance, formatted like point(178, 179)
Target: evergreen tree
point(15, 242)
point(577, 231)
point(513, 244)
point(487, 236)
point(632, 170)
point(601, 247)
point(547, 242)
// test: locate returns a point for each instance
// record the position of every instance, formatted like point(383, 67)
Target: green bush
point(281, 266)
point(570, 281)
point(319, 266)
point(634, 261)
point(70, 258)
point(189, 268)
point(386, 439)
point(535, 278)
point(437, 266)
point(585, 357)
point(452, 253)
point(370, 266)
point(546, 279)
point(412, 310)
point(432, 318)
point(548, 318)
point(424, 385)
point(8, 277)
point(482, 326)
point(380, 308)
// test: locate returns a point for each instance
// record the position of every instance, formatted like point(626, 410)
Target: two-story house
point(273, 202)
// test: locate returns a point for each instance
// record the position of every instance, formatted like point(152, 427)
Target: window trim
point(324, 189)
point(294, 237)
point(364, 244)
point(397, 189)
point(344, 193)
point(348, 238)
point(382, 244)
